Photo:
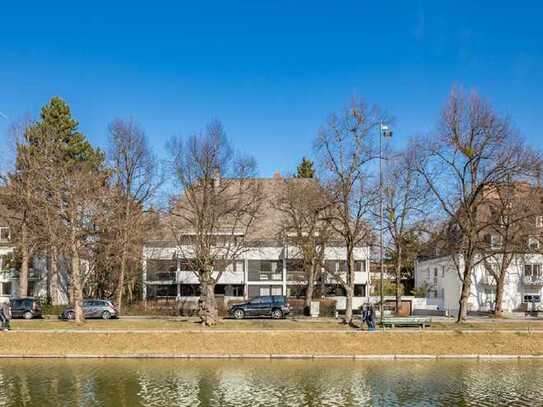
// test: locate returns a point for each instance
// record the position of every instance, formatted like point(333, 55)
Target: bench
point(407, 321)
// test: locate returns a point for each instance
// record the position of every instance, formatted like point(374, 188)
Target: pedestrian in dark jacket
point(5, 316)
point(368, 317)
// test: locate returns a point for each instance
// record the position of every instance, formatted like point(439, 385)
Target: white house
point(523, 287)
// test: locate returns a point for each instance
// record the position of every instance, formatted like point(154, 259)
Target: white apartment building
point(269, 267)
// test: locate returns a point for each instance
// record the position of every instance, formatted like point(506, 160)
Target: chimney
point(216, 177)
point(277, 175)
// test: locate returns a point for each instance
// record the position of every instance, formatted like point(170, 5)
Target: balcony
point(536, 280)
point(161, 276)
point(487, 280)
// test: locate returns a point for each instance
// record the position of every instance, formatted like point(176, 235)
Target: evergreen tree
point(305, 169)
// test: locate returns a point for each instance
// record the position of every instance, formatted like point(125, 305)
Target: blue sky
point(271, 71)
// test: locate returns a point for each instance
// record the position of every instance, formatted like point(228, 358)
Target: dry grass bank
point(277, 342)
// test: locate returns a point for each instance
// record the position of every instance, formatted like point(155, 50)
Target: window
point(5, 288)
point(359, 290)
point(264, 291)
point(189, 290)
point(360, 265)
point(532, 270)
point(330, 266)
point(532, 298)
point(494, 241)
point(442, 271)
point(533, 243)
point(4, 234)
point(232, 290)
point(277, 290)
point(239, 266)
point(296, 291)
point(30, 289)
point(158, 270)
point(163, 290)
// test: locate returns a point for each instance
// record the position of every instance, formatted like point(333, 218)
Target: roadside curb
point(274, 356)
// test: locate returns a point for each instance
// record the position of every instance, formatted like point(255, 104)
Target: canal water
point(269, 383)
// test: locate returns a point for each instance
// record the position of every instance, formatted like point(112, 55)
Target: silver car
point(93, 309)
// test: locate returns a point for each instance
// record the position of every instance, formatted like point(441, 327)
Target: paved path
point(306, 331)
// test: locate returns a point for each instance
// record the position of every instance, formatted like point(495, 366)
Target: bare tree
point(304, 206)
point(406, 210)
point(134, 182)
point(17, 196)
point(473, 151)
point(219, 201)
point(345, 150)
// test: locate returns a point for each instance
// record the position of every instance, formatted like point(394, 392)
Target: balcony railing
point(532, 280)
point(264, 276)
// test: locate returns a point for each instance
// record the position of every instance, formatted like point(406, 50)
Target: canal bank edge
point(272, 356)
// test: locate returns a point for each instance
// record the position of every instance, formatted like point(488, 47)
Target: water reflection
point(269, 383)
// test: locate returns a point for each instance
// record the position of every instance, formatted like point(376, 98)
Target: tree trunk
point(309, 289)
point(464, 294)
point(207, 304)
point(120, 286)
point(124, 255)
point(54, 284)
point(398, 281)
point(25, 260)
point(348, 306)
point(76, 281)
point(500, 283)
point(349, 290)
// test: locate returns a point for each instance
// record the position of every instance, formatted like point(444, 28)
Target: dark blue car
point(274, 306)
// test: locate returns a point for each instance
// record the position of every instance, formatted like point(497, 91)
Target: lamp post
point(384, 131)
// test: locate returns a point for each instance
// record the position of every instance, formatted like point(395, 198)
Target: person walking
point(368, 317)
point(5, 316)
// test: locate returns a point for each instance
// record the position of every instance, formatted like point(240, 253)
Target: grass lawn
point(273, 342)
point(178, 324)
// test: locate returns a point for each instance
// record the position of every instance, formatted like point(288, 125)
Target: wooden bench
point(407, 321)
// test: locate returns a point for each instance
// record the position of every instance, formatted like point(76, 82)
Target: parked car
point(26, 308)
point(93, 309)
point(275, 306)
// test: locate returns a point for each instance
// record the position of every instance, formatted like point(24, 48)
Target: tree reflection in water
point(268, 383)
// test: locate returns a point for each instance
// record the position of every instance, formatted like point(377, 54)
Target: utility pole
point(384, 131)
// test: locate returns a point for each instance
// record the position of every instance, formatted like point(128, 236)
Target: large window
point(161, 270)
point(163, 290)
point(530, 298)
point(5, 288)
point(260, 290)
point(4, 234)
point(532, 270)
point(265, 270)
point(230, 290)
point(335, 266)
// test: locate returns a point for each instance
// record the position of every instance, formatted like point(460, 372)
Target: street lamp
point(384, 131)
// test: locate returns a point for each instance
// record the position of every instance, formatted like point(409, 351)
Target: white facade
point(37, 279)
point(243, 280)
point(523, 288)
